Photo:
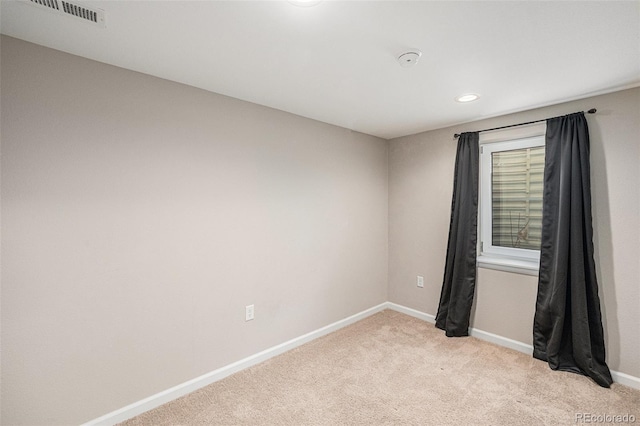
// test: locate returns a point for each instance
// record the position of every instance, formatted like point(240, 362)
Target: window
point(511, 187)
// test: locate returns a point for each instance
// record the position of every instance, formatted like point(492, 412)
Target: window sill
point(517, 266)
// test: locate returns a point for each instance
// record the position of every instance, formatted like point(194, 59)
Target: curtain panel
point(567, 330)
point(456, 297)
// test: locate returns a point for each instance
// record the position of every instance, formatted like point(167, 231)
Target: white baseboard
point(501, 341)
point(182, 389)
point(626, 379)
point(480, 334)
point(621, 378)
point(412, 312)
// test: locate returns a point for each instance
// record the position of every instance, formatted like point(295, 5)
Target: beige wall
point(140, 216)
point(420, 185)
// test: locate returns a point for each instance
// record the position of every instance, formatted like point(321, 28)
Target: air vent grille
point(67, 8)
point(80, 12)
point(53, 4)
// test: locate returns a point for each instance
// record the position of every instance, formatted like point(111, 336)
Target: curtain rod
point(591, 111)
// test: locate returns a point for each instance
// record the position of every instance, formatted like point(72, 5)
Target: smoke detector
point(77, 10)
point(409, 59)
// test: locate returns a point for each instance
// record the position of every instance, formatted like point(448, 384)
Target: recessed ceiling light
point(304, 3)
point(469, 97)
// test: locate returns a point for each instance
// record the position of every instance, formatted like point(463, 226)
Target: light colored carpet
point(392, 369)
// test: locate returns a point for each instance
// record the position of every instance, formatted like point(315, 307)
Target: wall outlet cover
point(249, 312)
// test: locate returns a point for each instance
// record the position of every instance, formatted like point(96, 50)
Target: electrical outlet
point(248, 312)
point(420, 281)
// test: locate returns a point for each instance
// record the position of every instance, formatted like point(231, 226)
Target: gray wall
point(140, 216)
point(420, 185)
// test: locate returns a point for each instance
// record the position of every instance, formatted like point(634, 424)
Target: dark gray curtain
point(459, 282)
point(567, 331)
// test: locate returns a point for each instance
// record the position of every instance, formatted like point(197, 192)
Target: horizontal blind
point(517, 188)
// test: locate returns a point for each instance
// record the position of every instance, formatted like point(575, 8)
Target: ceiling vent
point(87, 14)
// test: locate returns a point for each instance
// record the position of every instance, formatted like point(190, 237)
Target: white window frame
point(518, 260)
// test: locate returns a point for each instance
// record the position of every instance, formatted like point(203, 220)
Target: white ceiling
point(336, 62)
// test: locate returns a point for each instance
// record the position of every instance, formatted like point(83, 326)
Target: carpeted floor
point(392, 369)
